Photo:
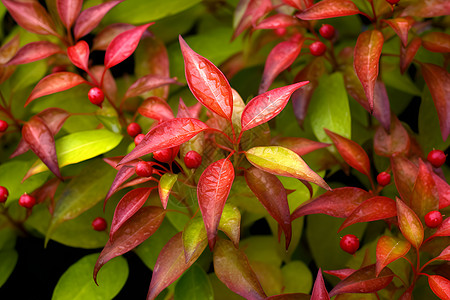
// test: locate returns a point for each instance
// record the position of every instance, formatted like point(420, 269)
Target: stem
point(178, 211)
point(374, 12)
point(222, 133)
point(15, 224)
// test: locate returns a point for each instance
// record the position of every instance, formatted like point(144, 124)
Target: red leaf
point(393, 142)
point(253, 12)
point(122, 175)
point(407, 54)
point(133, 232)
point(156, 108)
point(409, 224)
point(271, 193)
point(166, 135)
point(440, 286)
point(280, 58)
point(364, 280)
point(438, 81)
point(301, 146)
point(91, 17)
point(424, 196)
point(31, 16)
point(401, 26)
point(170, 265)
point(79, 55)
point(34, 51)
point(405, 173)
point(366, 60)
point(299, 4)
point(8, 50)
point(444, 255)
point(147, 83)
point(381, 106)
point(341, 274)
point(326, 9)
point(22, 147)
point(319, 291)
point(293, 296)
point(427, 9)
point(443, 190)
point(109, 84)
point(277, 21)
point(351, 152)
point(68, 11)
point(340, 203)
point(388, 250)
point(54, 118)
point(40, 140)
point(443, 229)
point(232, 268)
point(267, 106)
point(213, 188)
point(53, 83)
point(373, 209)
point(123, 45)
point(107, 34)
point(436, 42)
point(127, 207)
point(206, 82)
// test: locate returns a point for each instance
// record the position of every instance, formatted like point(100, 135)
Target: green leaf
point(28, 74)
point(165, 185)
point(137, 11)
point(8, 260)
point(392, 77)
point(81, 146)
point(194, 285)
point(7, 237)
point(194, 234)
point(262, 248)
point(297, 278)
point(329, 108)
point(77, 283)
point(82, 193)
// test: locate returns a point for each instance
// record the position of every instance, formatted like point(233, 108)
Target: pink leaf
point(280, 58)
point(340, 203)
point(388, 250)
point(170, 265)
point(133, 232)
point(366, 60)
point(156, 108)
point(106, 35)
point(22, 147)
point(381, 105)
point(31, 16)
point(253, 12)
point(166, 135)
point(53, 83)
point(407, 54)
point(440, 286)
point(438, 81)
point(40, 140)
point(436, 42)
point(301, 146)
point(409, 224)
point(79, 55)
point(376, 208)
point(213, 188)
point(127, 207)
point(395, 141)
point(34, 51)
point(68, 11)
point(271, 193)
point(206, 82)
point(91, 17)
point(123, 45)
point(233, 269)
point(351, 152)
point(319, 291)
point(267, 106)
point(341, 274)
point(147, 83)
point(326, 9)
point(401, 26)
point(364, 280)
point(277, 21)
point(299, 4)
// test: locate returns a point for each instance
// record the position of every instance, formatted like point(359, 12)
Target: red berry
point(144, 169)
point(327, 31)
point(164, 156)
point(27, 201)
point(3, 126)
point(436, 158)
point(139, 138)
point(433, 219)
point(134, 129)
point(384, 178)
point(3, 194)
point(96, 96)
point(99, 224)
point(192, 159)
point(393, 1)
point(349, 243)
point(317, 48)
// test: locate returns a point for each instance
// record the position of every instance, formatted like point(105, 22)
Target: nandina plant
point(224, 198)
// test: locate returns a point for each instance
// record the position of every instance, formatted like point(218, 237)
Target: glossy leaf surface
point(409, 224)
point(213, 188)
point(319, 291)
point(34, 51)
point(267, 106)
point(301, 146)
point(440, 286)
point(230, 223)
point(277, 21)
point(271, 193)
point(166, 135)
point(156, 108)
point(79, 55)
point(442, 230)
point(232, 268)
point(436, 42)
point(133, 232)
point(405, 173)
point(388, 250)
point(53, 83)
point(341, 274)
point(424, 196)
point(328, 9)
point(282, 161)
point(366, 60)
point(147, 83)
point(401, 27)
point(408, 53)
point(206, 82)
point(165, 185)
point(194, 237)
point(107, 34)
point(68, 11)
